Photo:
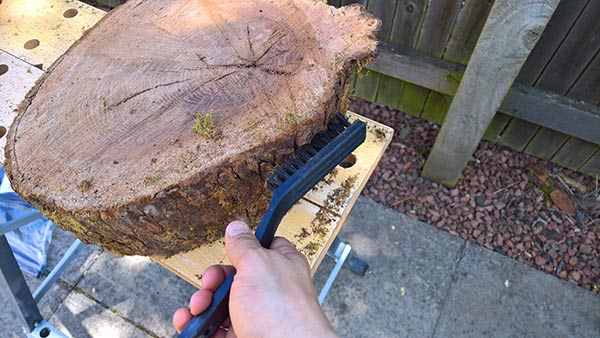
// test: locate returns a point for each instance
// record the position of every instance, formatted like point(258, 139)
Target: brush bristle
point(335, 127)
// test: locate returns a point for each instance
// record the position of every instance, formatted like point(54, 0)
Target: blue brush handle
point(284, 197)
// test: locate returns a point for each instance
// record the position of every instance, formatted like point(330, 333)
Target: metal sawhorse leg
point(342, 253)
point(21, 296)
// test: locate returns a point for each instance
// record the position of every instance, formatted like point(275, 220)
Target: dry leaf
point(562, 201)
point(542, 173)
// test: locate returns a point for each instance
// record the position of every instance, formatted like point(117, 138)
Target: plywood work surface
point(40, 31)
point(16, 79)
point(312, 223)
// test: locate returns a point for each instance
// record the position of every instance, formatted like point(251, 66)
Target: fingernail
point(236, 228)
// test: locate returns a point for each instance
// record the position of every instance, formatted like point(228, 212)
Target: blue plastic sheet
point(30, 242)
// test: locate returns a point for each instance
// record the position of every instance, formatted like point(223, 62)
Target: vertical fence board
point(592, 167)
point(579, 48)
point(574, 54)
point(561, 22)
point(405, 32)
point(463, 38)
point(513, 135)
point(546, 143)
point(509, 34)
point(466, 31)
point(496, 127)
point(574, 153)
point(586, 87)
point(438, 24)
point(366, 83)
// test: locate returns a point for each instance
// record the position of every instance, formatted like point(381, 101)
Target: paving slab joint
point(459, 257)
point(75, 288)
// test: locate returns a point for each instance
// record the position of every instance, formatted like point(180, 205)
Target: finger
point(181, 318)
point(200, 301)
point(286, 248)
point(239, 241)
point(215, 275)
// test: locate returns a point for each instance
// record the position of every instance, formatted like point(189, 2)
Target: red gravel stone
point(512, 216)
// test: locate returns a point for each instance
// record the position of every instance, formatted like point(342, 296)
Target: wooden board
point(549, 109)
point(546, 143)
point(461, 43)
point(40, 31)
point(16, 79)
point(561, 22)
point(574, 153)
point(573, 55)
point(438, 24)
point(587, 87)
point(510, 33)
point(314, 211)
point(405, 32)
point(592, 166)
point(518, 133)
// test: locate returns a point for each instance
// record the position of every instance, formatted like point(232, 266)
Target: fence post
point(510, 33)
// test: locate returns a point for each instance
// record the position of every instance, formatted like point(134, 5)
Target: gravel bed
point(500, 203)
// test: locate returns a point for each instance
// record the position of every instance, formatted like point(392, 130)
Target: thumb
point(239, 241)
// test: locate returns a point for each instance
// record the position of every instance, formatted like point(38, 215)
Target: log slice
point(157, 127)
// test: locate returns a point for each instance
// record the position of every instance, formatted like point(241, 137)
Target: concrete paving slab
point(138, 288)
point(61, 241)
point(81, 317)
point(531, 304)
point(403, 255)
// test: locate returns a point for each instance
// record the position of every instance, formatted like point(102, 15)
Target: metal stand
point(21, 296)
point(342, 253)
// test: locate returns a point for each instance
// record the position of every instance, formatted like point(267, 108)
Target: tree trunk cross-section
point(157, 128)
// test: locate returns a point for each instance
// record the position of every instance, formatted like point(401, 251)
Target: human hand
point(272, 294)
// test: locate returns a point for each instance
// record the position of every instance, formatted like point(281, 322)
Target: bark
point(158, 126)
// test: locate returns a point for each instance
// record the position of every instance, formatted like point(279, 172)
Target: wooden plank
point(592, 167)
point(417, 68)
point(508, 36)
point(17, 77)
point(437, 27)
point(366, 84)
point(405, 32)
point(496, 127)
point(436, 107)
point(549, 110)
point(518, 133)
point(463, 38)
point(468, 26)
point(311, 224)
point(527, 103)
point(546, 143)
point(385, 10)
point(41, 31)
point(561, 22)
point(587, 87)
point(414, 67)
point(355, 173)
point(574, 54)
point(574, 153)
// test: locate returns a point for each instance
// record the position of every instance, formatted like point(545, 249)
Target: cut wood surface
point(156, 128)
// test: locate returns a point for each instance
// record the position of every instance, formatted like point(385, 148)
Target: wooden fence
point(551, 111)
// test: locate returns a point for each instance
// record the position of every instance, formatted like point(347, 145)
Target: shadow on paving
point(424, 282)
